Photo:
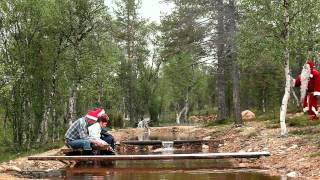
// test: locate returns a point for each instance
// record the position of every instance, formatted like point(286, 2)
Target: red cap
point(100, 111)
point(92, 115)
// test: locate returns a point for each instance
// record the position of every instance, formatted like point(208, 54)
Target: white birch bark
point(285, 99)
point(72, 106)
point(179, 114)
point(43, 134)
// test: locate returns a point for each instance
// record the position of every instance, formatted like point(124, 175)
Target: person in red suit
point(309, 83)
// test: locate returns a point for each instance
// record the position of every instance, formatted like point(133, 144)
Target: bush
point(116, 119)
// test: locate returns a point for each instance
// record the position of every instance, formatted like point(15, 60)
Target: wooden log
point(146, 142)
point(154, 156)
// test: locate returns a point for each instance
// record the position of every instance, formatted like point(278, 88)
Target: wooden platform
point(153, 156)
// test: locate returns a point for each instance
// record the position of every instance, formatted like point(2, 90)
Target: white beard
point(305, 75)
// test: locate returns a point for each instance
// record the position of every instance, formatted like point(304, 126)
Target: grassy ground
point(9, 152)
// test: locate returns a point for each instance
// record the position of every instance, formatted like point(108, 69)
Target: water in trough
point(220, 169)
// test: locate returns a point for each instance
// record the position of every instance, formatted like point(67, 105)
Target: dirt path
point(297, 155)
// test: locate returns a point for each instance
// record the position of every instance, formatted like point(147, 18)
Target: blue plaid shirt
point(78, 130)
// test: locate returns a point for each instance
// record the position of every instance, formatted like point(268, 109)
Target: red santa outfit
point(309, 81)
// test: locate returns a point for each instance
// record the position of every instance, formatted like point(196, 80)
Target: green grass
point(267, 117)
point(302, 121)
point(314, 154)
point(10, 153)
point(222, 122)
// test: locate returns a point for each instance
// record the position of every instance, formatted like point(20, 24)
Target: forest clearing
point(297, 154)
point(80, 77)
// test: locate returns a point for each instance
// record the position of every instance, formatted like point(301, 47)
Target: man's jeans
point(80, 143)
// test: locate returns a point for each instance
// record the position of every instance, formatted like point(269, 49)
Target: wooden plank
point(154, 156)
point(191, 141)
point(159, 142)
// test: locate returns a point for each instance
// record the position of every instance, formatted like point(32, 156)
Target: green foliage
point(116, 120)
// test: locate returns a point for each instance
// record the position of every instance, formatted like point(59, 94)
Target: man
point(309, 83)
point(77, 136)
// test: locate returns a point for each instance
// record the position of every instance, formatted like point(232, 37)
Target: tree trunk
point(284, 104)
point(100, 95)
point(179, 114)
point(186, 108)
point(221, 86)
point(6, 115)
point(263, 99)
point(43, 132)
point(72, 106)
point(236, 94)
point(53, 94)
point(235, 68)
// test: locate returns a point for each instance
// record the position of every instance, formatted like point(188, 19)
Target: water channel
point(168, 169)
point(220, 169)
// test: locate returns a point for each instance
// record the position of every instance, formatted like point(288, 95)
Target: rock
point(293, 174)
point(249, 150)
point(13, 168)
point(205, 146)
point(206, 138)
point(294, 146)
point(247, 115)
point(2, 169)
point(283, 147)
point(281, 152)
point(243, 165)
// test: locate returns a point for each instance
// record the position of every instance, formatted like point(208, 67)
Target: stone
point(294, 146)
point(206, 138)
point(247, 115)
point(2, 169)
point(293, 174)
point(13, 168)
point(205, 146)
